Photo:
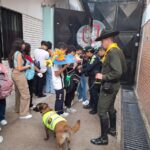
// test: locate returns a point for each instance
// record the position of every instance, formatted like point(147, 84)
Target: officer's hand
point(99, 76)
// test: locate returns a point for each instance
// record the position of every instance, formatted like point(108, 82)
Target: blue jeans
point(49, 84)
point(82, 89)
point(2, 109)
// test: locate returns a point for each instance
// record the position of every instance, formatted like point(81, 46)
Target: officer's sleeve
point(116, 67)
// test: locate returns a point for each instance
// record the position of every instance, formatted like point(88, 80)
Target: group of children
point(33, 75)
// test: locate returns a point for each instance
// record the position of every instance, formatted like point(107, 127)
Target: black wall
point(66, 25)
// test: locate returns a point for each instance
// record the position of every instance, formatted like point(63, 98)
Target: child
point(58, 83)
point(30, 77)
point(72, 78)
point(82, 88)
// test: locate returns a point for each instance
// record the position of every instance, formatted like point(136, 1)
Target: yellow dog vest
point(50, 119)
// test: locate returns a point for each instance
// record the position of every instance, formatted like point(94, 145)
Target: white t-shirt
point(40, 55)
point(58, 82)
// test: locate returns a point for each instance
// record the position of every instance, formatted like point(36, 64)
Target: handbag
point(30, 73)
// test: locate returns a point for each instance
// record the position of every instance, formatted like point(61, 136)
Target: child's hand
point(67, 65)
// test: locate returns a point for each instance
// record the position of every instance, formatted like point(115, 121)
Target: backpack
point(6, 84)
point(71, 78)
point(30, 73)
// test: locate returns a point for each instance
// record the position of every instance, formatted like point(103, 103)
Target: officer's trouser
point(106, 104)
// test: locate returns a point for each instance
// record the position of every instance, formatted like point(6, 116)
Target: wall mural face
point(74, 27)
point(86, 35)
point(125, 16)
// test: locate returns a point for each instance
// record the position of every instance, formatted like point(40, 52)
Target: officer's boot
point(112, 119)
point(103, 140)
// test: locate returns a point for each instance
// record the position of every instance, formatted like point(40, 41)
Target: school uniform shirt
point(40, 55)
point(58, 82)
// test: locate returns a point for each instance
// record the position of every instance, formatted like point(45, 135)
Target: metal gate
point(125, 16)
point(67, 24)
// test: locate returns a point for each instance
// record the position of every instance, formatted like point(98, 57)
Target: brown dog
point(52, 121)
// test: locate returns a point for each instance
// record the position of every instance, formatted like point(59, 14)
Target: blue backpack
point(30, 72)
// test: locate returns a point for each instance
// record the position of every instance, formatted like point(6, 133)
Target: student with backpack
point(5, 90)
point(30, 73)
point(72, 78)
point(17, 63)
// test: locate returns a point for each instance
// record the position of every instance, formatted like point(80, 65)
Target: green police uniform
point(113, 67)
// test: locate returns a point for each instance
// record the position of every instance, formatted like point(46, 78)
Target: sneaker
point(32, 107)
point(80, 100)
point(65, 114)
point(76, 93)
point(85, 103)
point(1, 139)
point(3, 122)
point(87, 106)
point(64, 108)
point(71, 110)
point(26, 117)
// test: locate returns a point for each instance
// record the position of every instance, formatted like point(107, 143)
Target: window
point(11, 28)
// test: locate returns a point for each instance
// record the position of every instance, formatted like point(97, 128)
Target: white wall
point(29, 7)
point(66, 4)
point(32, 31)
point(32, 18)
point(75, 5)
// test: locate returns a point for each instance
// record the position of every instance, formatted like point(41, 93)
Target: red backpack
point(6, 84)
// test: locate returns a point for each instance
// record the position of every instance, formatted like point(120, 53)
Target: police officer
point(114, 65)
point(91, 68)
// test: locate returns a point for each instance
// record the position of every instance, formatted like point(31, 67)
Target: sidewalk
point(29, 134)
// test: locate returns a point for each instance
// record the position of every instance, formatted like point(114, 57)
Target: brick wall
point(143, 71)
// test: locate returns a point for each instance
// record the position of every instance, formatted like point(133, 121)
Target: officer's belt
point(112, 81)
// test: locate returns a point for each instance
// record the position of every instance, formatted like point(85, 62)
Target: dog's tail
point(68, 131)
point(76, 127)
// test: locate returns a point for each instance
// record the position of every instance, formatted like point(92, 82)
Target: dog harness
point(50, 119)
